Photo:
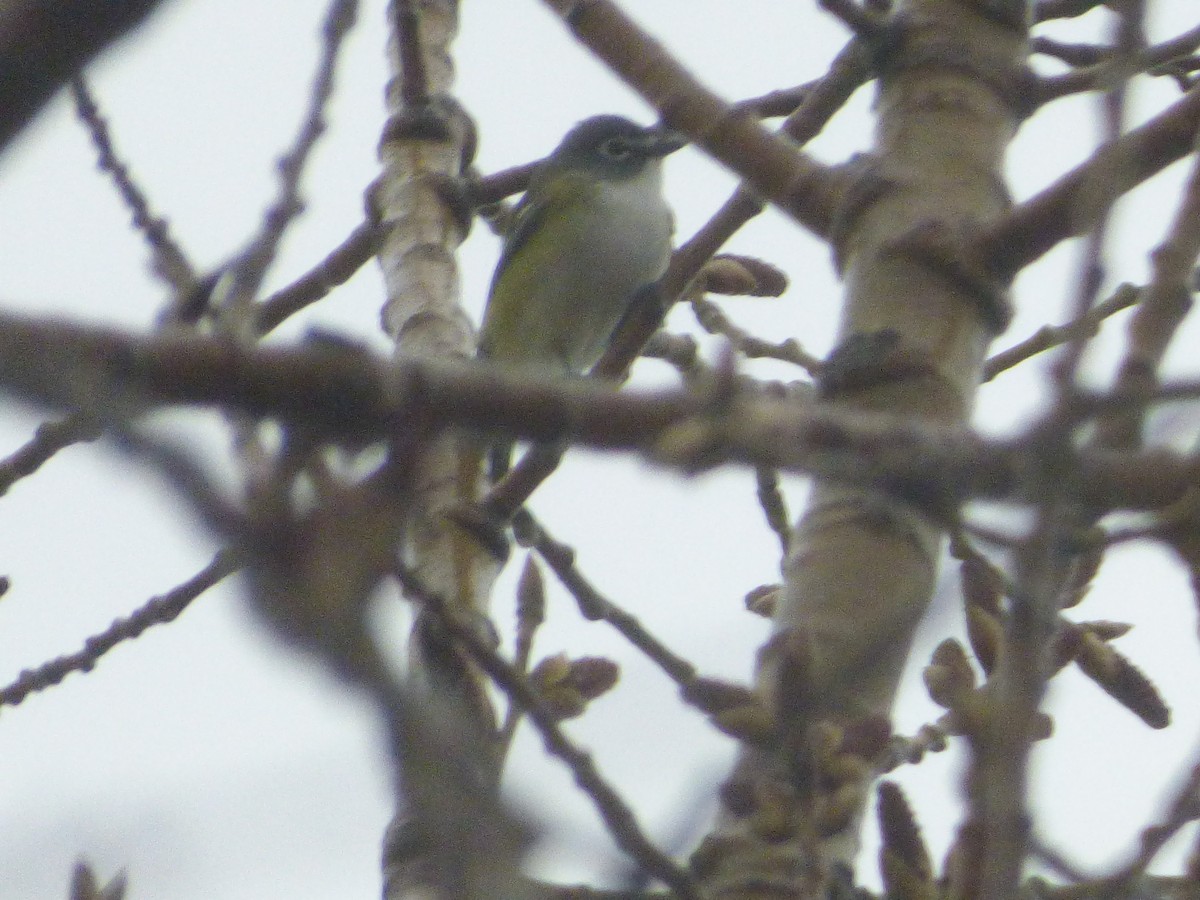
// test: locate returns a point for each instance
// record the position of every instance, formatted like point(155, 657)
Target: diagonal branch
point(157, 611)
point(45, 42)
point(771, 166)
point(1066, 209)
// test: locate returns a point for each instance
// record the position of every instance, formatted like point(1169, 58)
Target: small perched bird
point(592, 229)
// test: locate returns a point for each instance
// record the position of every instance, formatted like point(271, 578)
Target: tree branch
point(351, 396)
point(44, 42)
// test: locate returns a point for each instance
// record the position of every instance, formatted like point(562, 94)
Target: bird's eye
point(616, 148)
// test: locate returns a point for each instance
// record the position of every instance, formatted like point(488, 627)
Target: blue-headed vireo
point(592, 228)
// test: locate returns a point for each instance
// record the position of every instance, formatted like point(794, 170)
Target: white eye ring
point(616, 148)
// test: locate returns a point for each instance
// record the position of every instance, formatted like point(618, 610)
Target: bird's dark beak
point(663, 141)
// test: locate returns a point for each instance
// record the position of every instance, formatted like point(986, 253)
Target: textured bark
point(914, 333)
point(449, 838)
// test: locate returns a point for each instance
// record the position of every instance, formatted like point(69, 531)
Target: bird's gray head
point(613, 147)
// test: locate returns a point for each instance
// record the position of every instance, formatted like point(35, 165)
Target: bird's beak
point(662, 141)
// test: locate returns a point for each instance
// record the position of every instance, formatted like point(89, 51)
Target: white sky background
point(212, 764)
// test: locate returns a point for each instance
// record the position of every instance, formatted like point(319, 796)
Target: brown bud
point(762, 600)
point(986, 635)
point(1123, 681)
point(565, 686)
point(901, 834)
point(713, 695)
point(736, 275)
point(949, 677)
point(753, 723)
point(981, 584)
point(531, 596)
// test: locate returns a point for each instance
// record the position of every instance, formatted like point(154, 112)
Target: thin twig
point(620, 820)
point(49, 438)
point(1166, 302)
point(1071, 54)
point(1130, 40)
point(1073, 204)
point(336, 269)
point(44, 43)
point(157, 611)
point(1184, 808)
point(252, 264)
point(1111, 65)
point(169, 261)
point(596, 607)
point(1048, 336)
point(714, 320)
point(930, 738)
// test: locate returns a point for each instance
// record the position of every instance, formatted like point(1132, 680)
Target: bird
point(592, 229)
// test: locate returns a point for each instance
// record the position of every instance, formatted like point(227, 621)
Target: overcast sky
point(209, 762)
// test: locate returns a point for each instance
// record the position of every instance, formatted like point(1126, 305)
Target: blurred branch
point(1069, 207)
point(158, 611)
point(1095, 200)
point(43, 43)
point(348, 395)
point(1063, 9)
point(1110, 64)
point(1165, 303)
point(1183, 809)
point(49, 438)
point(621, 823)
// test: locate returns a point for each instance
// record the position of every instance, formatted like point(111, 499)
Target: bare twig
point(1184, 808)
point(169, 261)
point(157, 611)
point(1165, 303)
point(1048, 336)
point(1096, 194)
point(1071, 54)
point(618, 817)
point(714, 320)
point(49, 438)
point(337, 268)
point(43, 43)
point(1111, 65)
point(596, 607)
point(252, 264)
